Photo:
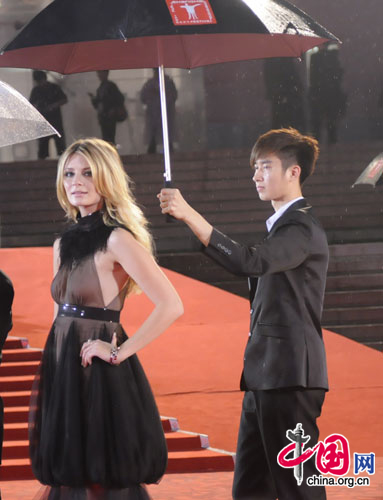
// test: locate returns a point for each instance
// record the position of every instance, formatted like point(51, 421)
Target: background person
point(47, 98)
point(109, 103)
point(150, 97)
point(326, 97)
point(285, 372)
point(95, 431)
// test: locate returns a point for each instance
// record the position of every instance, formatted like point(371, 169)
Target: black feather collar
point(84, 238)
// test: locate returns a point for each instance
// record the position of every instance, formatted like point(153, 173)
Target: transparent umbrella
point(372, 174)
point(19, 120)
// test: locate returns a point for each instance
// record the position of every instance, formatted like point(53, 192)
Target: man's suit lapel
point(298, 205)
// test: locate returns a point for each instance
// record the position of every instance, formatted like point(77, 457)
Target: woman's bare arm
point(142, 268)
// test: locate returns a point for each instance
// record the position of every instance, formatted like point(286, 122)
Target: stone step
point(351, 264)
point(15, 431)
point(16, 398)
point(356, 249)
point(183, 241)
point(205, 202)
point(16, 355)
point(206, 460)
point(34, 240)
point(188, 452)
point(361, 235)
point(15, 450)
point(356, 298)
point(15, 414)
point(32, 228)
point(365, 333)
point(225, 158)
point(349, 272)
point(232, 221)
point(32, 216)
point(353, 282)
point(18, 469)
point(203, 176)
point(19, 368)
point(19, 383)
point(182, 441)
point(355, 268)
point(352, 315)
point(15, 343)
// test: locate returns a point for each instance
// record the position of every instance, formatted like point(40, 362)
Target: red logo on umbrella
point(187, 12)
point(375, 169)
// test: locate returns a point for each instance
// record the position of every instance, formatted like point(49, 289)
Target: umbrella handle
point(165, 135)
point(164, 118)
point(169, 218)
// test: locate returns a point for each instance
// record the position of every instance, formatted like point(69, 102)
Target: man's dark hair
point(39, 76)
point(291, 147)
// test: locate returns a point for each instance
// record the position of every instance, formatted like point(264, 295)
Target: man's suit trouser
point(265, 418)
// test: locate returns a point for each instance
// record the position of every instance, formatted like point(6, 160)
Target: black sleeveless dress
point(95, 432)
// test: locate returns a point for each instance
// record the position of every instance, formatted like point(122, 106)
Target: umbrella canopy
point(72, 36)
point(19, 120)
point(372, 174)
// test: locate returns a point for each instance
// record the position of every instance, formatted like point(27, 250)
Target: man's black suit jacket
point(285, 346)
point(6, 299)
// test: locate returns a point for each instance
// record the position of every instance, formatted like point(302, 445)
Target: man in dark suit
point(285, 373)
point(6, 299)
point(47, 98)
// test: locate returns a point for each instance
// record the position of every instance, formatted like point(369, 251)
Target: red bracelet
point(113, 355)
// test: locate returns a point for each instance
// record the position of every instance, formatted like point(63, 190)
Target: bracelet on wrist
point(113, 355)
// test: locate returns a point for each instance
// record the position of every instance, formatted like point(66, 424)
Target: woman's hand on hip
point(97, 348)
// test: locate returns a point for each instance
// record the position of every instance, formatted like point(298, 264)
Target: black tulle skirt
point(95, 432)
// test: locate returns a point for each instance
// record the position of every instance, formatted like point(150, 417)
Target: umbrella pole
point(165, 129)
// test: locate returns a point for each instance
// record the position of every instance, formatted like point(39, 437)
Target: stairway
point(218, 185)
point(188, 452)
point(353, 304)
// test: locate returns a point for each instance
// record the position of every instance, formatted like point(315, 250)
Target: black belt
point(85, 312)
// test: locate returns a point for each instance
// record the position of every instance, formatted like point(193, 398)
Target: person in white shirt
point(285, 374)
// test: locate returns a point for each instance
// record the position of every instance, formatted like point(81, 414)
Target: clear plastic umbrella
point(19, 120)
point(372, 174)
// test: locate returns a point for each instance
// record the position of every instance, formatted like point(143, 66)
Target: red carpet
point(194, 368)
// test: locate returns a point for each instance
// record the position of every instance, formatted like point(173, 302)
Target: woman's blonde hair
point(113, 184)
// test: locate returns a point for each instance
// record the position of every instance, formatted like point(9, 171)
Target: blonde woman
point(95, 431)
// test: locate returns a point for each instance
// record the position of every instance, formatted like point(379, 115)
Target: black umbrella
point(73, 36)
